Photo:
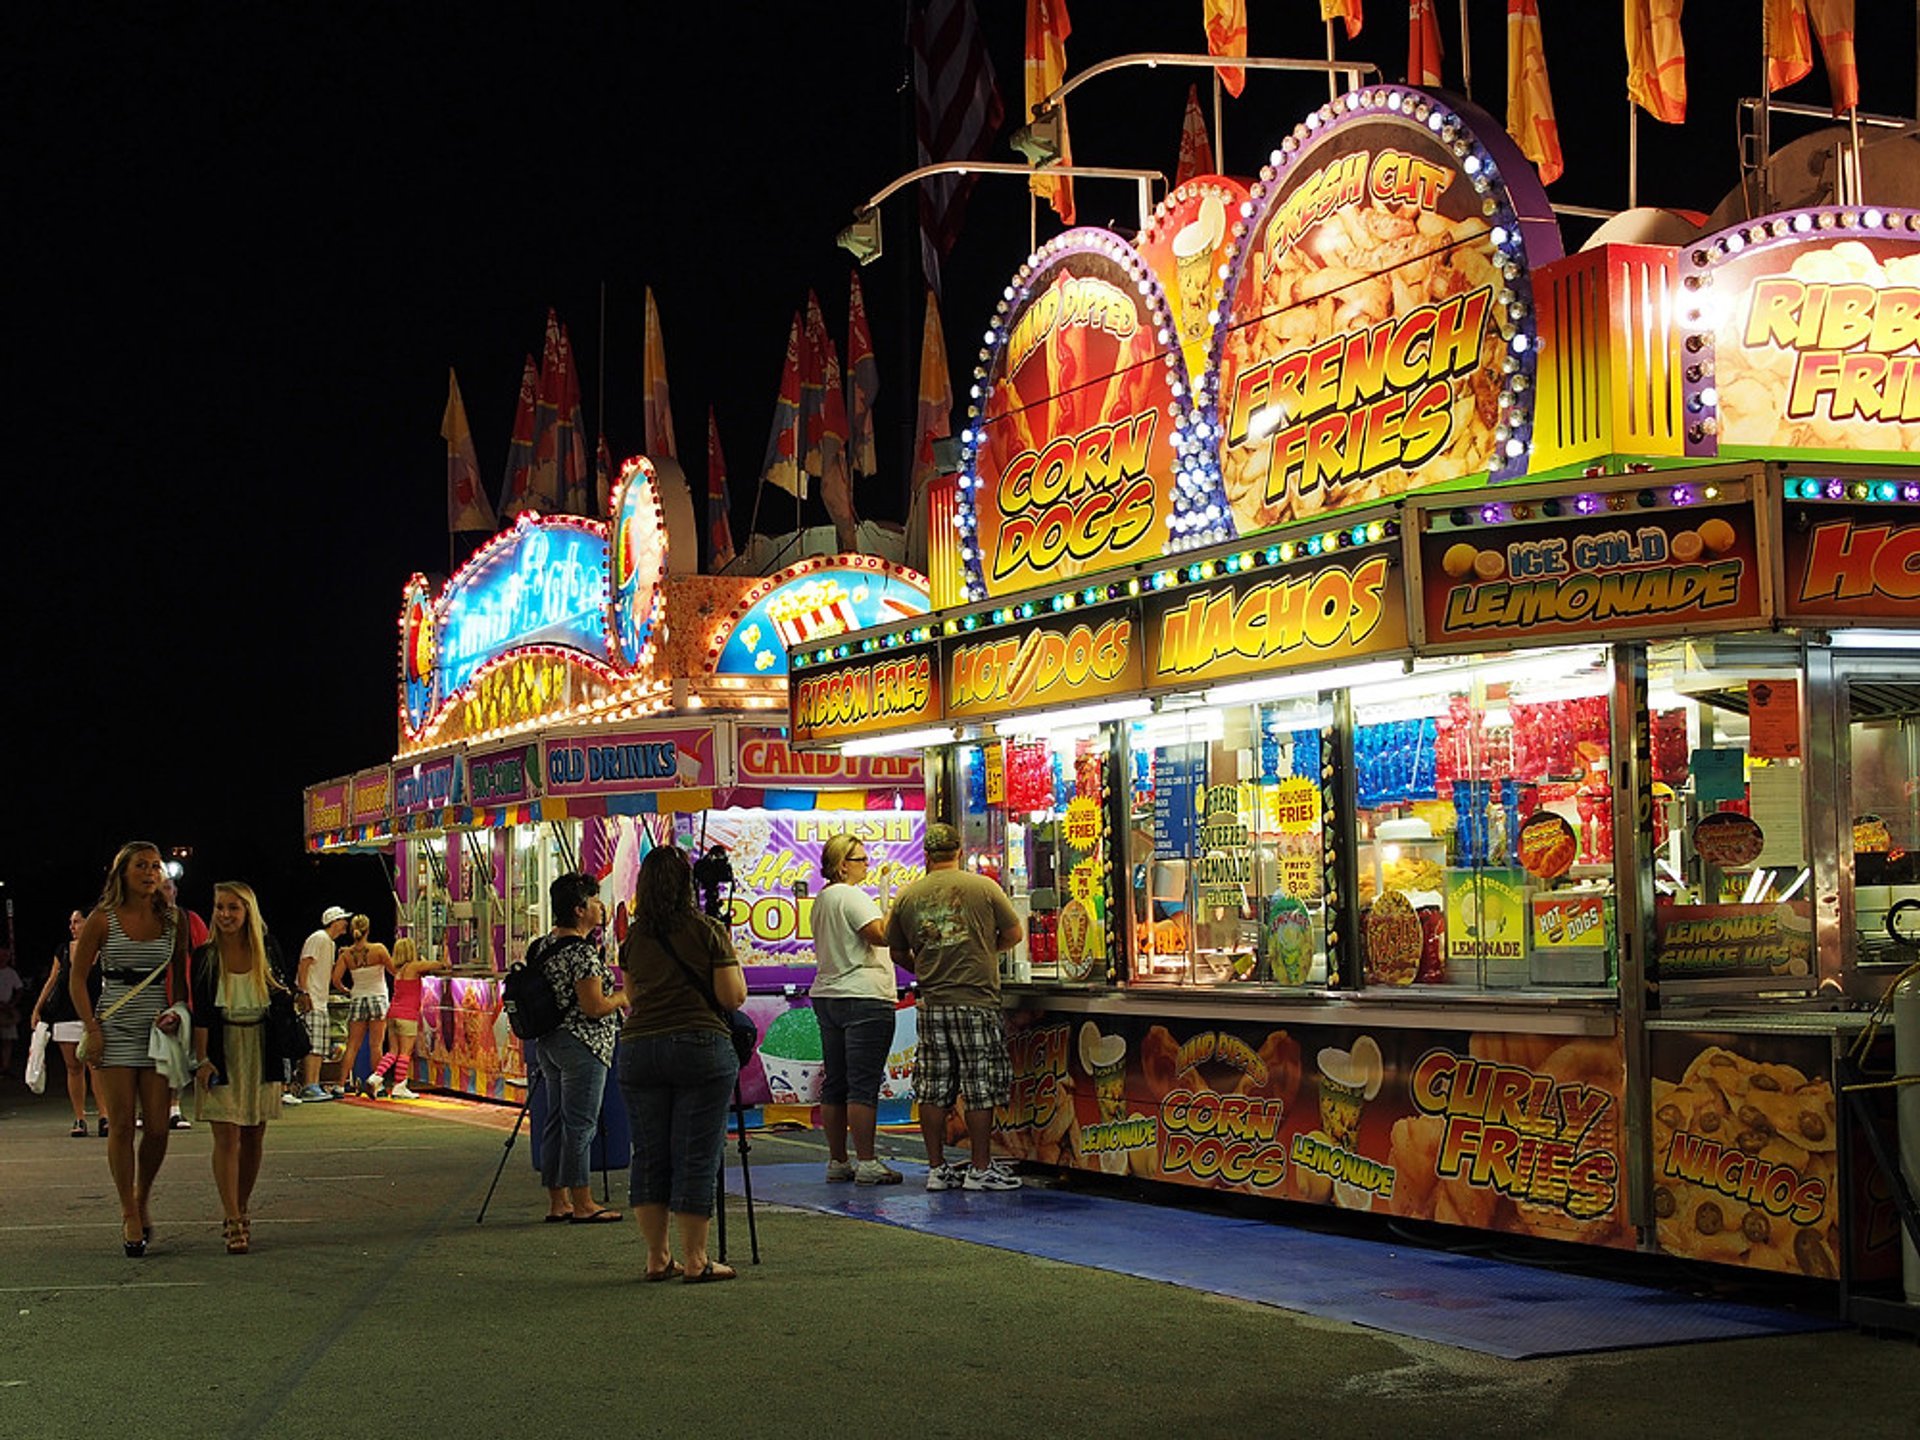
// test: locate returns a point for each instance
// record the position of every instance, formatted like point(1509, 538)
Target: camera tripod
point(506, 1150)
point(746, 1182)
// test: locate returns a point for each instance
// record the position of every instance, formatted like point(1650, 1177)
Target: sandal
point(561, 1219)
point(598, 1217)
point(710, 1274)
point(235, 1234)
point(656, 1276)
point(79, 1130)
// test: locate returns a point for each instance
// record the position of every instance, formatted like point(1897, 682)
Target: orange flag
point(1347, 10)
point(1424, 51)
point(1227, 35)
point(657, 412)
point(1529, 101)
point(1196, 153)
point(1047, 30)
point(1657, 59)
point(1790, 50)
point(468, 507)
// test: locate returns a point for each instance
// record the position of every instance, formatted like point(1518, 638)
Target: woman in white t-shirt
point(853, 998)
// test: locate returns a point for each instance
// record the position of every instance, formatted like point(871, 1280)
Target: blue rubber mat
point(1492, 1306)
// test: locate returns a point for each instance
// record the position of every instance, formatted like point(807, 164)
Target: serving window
point(1226, 808)
point(1485, 824)
point(1883, 746)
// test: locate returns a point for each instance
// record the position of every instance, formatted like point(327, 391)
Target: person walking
point(196, 937)
point(947, 927)
point(677, 1064)
point(853, 997)
point(361, 969)
point(314, 980)
point(140, 943)
point(11, 987)
point(55, 1006)
point(574, 1059)
point(403, 1019)
point(237, 1057)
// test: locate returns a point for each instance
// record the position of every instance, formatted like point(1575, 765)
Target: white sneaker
point(946, 1177)
point(403, 1092)
point(287, 1097)
point(875, 1172)
point(990, 1179)
point(376, 1086)
point(841, 1170)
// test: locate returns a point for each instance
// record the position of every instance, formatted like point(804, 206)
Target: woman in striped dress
point(131, 932)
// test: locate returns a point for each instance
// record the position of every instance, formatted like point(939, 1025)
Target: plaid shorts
point(367, 1007)
point(318, 1034)
point(962, 1053)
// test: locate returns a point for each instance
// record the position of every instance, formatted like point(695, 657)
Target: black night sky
point(250, 239)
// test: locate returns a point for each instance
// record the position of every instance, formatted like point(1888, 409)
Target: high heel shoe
point(135, 1249)
point(235, 1234)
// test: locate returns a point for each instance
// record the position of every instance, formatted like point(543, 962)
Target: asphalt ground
point(373, 1303)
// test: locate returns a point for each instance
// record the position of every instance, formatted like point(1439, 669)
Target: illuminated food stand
point(1436, 702)
point(565, 703)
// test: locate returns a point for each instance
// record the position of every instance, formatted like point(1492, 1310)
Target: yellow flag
point(1657, 59)
point(1047, 30)
point(1347, 10)
point(1529, 101)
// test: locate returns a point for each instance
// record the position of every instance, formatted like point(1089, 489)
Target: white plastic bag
point(37, 1058)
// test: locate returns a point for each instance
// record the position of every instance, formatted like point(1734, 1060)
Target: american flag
point(516, 493)
point(958, 114)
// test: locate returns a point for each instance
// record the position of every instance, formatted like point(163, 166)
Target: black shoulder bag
point(740, 1027)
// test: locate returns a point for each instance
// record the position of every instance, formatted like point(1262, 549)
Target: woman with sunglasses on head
point(238, 1059)
point(853, 999)
point(139, 942)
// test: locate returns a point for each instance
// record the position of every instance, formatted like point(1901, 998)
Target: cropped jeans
point(677, 1087)
point(575, 1080)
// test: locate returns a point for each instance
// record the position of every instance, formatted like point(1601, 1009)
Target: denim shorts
point(856, 1037)
point(676, 1088)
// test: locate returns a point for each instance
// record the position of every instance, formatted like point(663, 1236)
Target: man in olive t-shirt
point(947, 928)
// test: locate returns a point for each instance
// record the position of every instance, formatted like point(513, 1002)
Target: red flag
point(1790, 51)
point(813, 387)
point(467, 505)
point(516, 493)
point(602, 478)
point(782, 466)
point(1226, 22)
point(863, 383)
point(1657, 59)
point(1196, 153)
point(1424, 50)
point(836, 483)
point(958, 112)
point(1529, 101)
point(1345, 10)
point(545, 491)
point(1047, 30)
point(571, 437)
point(653, 381)
point(719, 502)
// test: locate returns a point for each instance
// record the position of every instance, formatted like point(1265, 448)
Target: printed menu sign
point(1712, 942)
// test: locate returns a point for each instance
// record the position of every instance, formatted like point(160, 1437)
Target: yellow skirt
point(246, 1097)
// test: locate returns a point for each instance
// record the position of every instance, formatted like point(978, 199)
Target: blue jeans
point(575, 1080)
point(677, 1087)
point(855, 1037)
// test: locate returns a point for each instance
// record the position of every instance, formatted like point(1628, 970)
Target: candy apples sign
point(1377, 331)
point(1069, 464)
point(1804, 335)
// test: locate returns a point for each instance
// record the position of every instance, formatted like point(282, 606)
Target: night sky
point(249, 240)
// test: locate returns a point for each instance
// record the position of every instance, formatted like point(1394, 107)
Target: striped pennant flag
point(516, 493)
point(720, 550)
point(570, 439)
point(1196, 151)
point(544, 491)
point(653, 381)
point(1790, 49)
point(958, 113)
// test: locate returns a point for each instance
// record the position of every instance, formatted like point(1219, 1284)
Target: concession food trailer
point(1447, 710)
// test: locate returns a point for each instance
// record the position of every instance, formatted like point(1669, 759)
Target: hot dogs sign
point(1372, 335)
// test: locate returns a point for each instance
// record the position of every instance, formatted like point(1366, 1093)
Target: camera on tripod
point(710, 872)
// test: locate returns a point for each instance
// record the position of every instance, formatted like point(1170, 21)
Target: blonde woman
point(403, 1018)
point(363, 968)
point(853, 997)
point(236, 991)
point(139, 942)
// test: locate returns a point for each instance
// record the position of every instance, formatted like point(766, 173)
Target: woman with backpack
point(677, 1063)
point(574, 1057)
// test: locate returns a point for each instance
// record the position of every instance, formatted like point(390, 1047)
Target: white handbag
point(37, 1058)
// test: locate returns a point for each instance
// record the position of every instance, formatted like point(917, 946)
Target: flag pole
point(1333, 84)
point(600, 396)
point(1466, 53)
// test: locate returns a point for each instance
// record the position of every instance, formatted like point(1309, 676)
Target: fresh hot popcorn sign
point(1377, 333)
point(1803, 334)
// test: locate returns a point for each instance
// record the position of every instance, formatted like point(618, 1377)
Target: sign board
point(426, 785)
point(370, 797)
point(326, 807)
point(898, 690)
point(811, 602)
point(1610, 569)
point(1803, 335)
point(505, 776)
point(1377, 333)
point(765, 759)
point(1846, 564)
point(631, 762)
point(1064, 659)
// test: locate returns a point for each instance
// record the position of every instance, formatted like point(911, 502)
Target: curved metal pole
point(1354, 70)
point(1144, 178)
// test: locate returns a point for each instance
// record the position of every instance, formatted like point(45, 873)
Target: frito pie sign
point(1377, 334)
point(1088, 655)
point(1311, 616)
point(891, 692)
point(1804, 335)
point(1850, 563)
point(1070, 466)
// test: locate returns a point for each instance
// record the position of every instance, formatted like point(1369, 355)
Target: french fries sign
point(1377, 335)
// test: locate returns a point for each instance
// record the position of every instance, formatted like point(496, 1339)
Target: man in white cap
point(312, 982)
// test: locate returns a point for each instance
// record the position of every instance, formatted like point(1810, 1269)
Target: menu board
point(1178, 773)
